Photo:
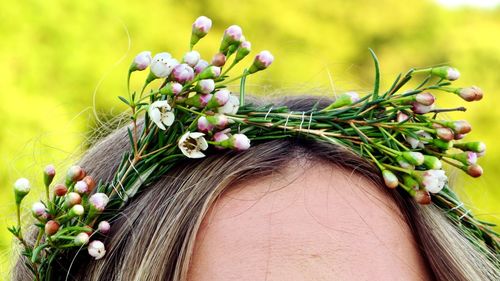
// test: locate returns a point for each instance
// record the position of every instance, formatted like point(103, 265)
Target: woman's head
point(292, 208)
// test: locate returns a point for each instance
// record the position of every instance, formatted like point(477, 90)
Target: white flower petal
point(196, 135)
point(168, 118)
point(155, 115)
point(196, 154)
point(202, 143)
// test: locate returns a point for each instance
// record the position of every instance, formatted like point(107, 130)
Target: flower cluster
point(193, 83)
point(188, 111)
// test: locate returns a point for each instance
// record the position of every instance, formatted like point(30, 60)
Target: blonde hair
point(153, 237)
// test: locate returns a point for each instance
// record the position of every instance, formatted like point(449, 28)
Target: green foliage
point(56, 54)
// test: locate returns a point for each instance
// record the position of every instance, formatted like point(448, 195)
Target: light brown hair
point(153, 237)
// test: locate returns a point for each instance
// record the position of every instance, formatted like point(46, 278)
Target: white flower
point(231, 106)
point(421, 141)
point(96, 249)
point(162, 65)
point(192, 143)
point(434, 180)
point(38, 209)
point(161, 114)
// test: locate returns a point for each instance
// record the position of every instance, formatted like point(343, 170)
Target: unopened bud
point(425, 98)
point(402, 117)
point(243, 50)
point(204, 125)
point(467, 157)
point(200, 66)
point(445, 72)
point(81, 239)
point(192, 58)
point(413, 157)
point(445, 134)
point(459, 127)
point(344, 99)
point(104, 227)
point(81, 187)
point(219, 59)
point(21, 189)
point(390, 179)
point(51, 227)
point(474, 170)
point(232, 36)
point(76, 211)
point(141, 61)
point(96, 249)
point(38, 209)
point(182, 73)
point(422, 197)
point(262, 61)
point(445, 145)
point(420, 108)
point(472, 93)
point(474, 146)
point(201, 27)
point(99, 201)
point(75, 173)
point(72, 199)
point(432, 162)
point(48, 175)
point(209, 72)
point(171, 88)
point(60, 189)
point(205, 86)
point(90, 183)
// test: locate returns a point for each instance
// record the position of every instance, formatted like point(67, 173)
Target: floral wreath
point(193, 114)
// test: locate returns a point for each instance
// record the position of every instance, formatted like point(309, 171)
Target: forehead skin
point(309, 222)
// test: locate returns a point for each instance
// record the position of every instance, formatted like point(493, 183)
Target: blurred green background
point(64, 63)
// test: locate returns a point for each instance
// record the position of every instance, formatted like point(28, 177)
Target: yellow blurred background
point(64, 63)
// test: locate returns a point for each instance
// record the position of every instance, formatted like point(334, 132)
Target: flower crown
point(193, 114)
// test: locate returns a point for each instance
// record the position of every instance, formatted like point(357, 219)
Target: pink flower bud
point(60, 189)
point(200, 66)
point(402, 117)
point(99, 201)
point(472, 93)
point(222, 96)
point(75, 173)
point(262, 61)
point(171, 88)
point(475, 146)
point(244, 49)
point(104, 227)
point(240, 142)
point(192, 58)
point(204, 125)
point(48, 174)
point(390, 179)
point(81, 187)
point(96, 249)
point(221, 136)
point(201, 26)
point(420, 108)
point(141, 61)
point(81, 239)
point(459, 136)
point(219, 59)
point(445, 134)
point(182, 73)
point(210, 72)
point(425, 98)
point(233, 33)
point(72, 199)
point(38, 209)
point(205, 86)
point(467, 157)
point(51, 227)
point(422, 197)
point(474, 170)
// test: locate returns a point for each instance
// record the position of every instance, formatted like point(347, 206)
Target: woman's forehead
point(313, 222)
